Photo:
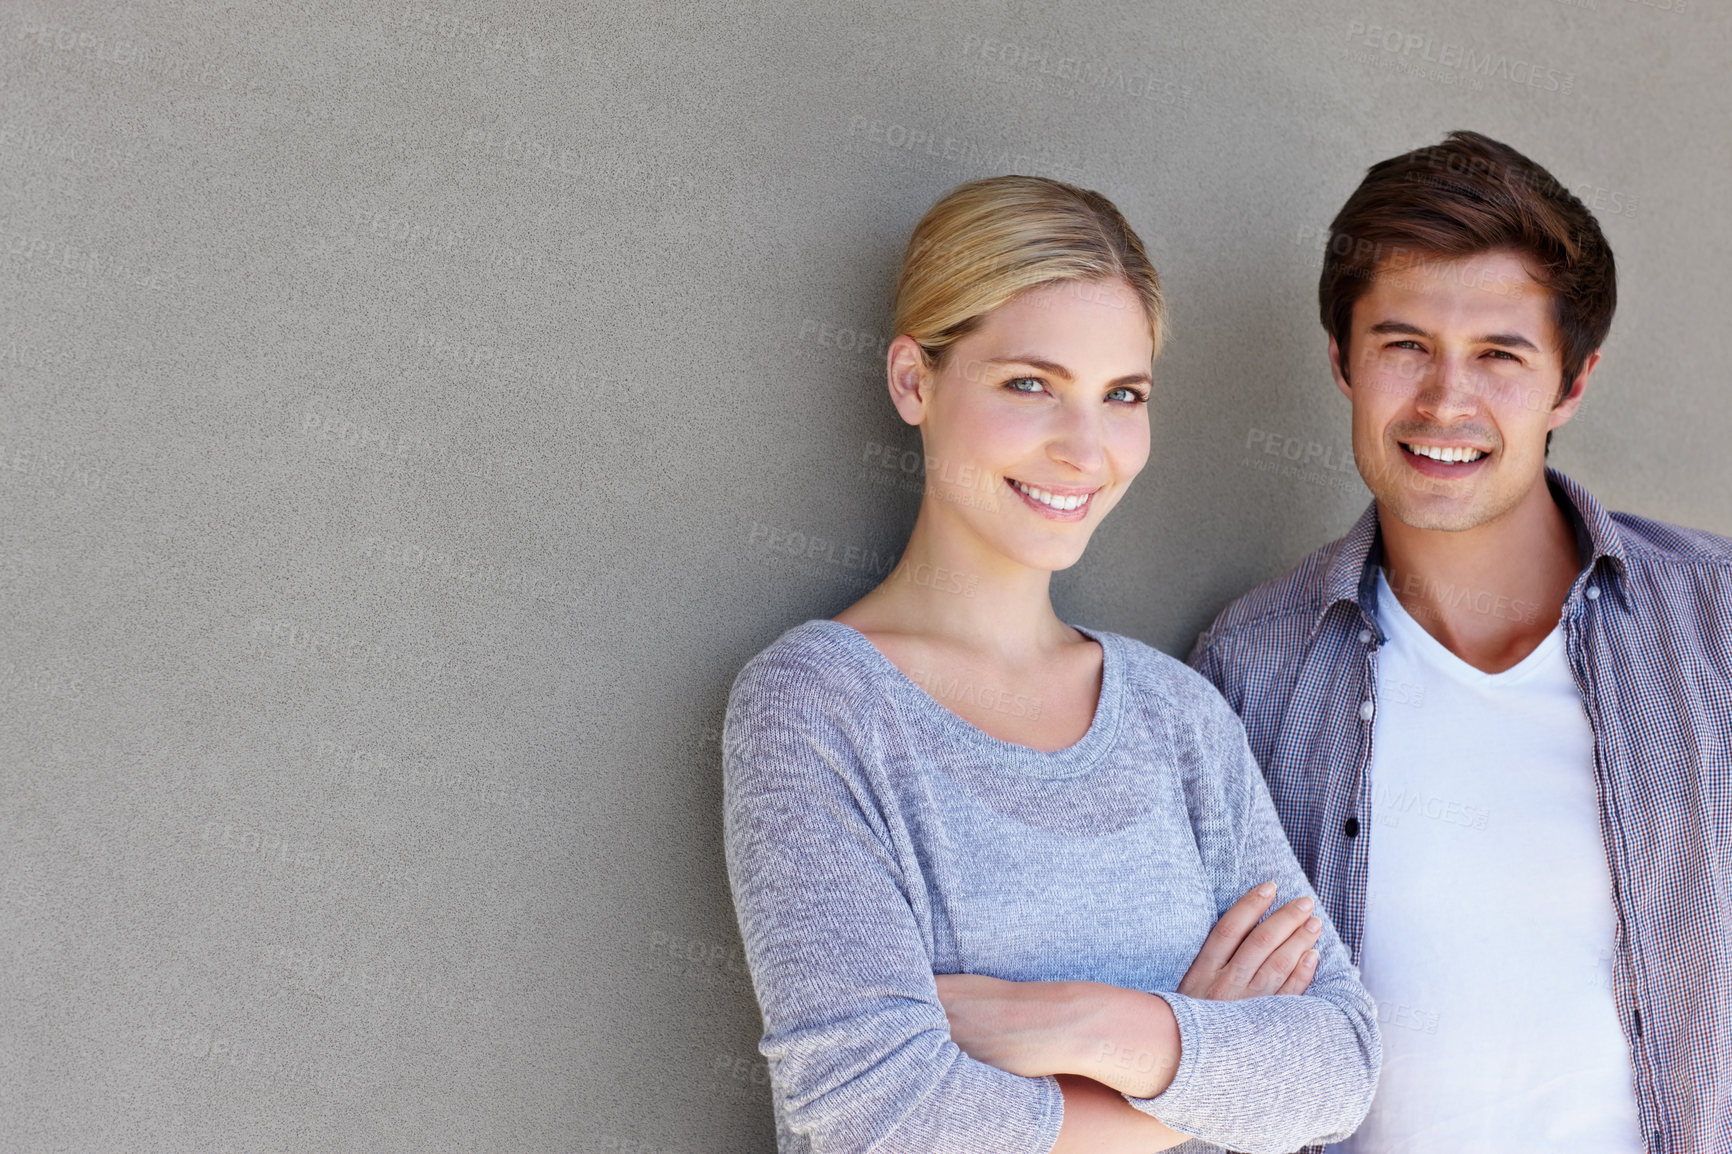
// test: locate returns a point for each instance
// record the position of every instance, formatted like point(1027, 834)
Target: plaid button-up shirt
point(1648, 628)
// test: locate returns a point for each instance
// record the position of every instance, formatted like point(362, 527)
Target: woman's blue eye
point(1016, 383)
point(1128, 394)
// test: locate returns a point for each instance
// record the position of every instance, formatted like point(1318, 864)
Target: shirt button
point(1350, 827)
point(1366, 710)
point(1593, 592)
point(1365, 637)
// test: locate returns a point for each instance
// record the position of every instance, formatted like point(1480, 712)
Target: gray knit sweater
point(874, 839)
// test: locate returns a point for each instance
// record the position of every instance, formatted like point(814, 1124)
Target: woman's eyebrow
point(1058, 370)
point(1044, 366)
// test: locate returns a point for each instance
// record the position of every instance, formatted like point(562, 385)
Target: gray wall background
point(410, 414)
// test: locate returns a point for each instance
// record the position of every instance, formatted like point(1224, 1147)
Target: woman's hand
point(1239, 961)
point(1125, 1038)
point(1016, 1026)
point(1122, 1038)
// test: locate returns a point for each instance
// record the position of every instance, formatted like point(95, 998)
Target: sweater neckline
point(1073, 759)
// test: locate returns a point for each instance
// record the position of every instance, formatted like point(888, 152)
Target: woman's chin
point(1049, 555)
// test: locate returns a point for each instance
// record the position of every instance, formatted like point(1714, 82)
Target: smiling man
point(1496, 719)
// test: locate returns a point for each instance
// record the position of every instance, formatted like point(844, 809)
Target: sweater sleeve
point(1269, 1075)
point(859, 1048)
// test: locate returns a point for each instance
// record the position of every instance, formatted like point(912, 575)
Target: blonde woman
point(1001, 879)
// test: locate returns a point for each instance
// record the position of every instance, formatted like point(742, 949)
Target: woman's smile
point(1058, 502)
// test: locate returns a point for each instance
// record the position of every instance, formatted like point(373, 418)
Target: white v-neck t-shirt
point(1489, 925)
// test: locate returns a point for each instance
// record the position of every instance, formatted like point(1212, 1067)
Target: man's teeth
point(1437, 454)
point(1045, 498)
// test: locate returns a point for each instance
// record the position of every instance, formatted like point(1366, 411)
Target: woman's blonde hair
point(988, 240)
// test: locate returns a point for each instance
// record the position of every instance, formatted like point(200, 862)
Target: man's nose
point(1452, 391)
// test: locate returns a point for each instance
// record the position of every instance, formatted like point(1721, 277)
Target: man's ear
point(1572, 400)
point(1335, 368)
point(910, 378)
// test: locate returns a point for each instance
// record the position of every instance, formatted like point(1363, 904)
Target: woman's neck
point(954, 589)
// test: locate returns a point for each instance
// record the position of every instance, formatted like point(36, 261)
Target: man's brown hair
point(1466, 196)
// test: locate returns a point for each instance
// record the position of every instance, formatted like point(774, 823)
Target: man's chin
point(1434, 511)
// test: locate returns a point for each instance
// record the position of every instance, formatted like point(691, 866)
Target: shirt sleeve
point(1269, 1075)
point(859, 1048)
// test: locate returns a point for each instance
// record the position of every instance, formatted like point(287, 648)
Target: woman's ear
point(910, 378)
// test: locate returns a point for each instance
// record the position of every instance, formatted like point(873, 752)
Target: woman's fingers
point(1263, 941)
point(1300, 979)
point(1277, 970)
point(1229, 932)
point(1246, 958)
point(1205, 977)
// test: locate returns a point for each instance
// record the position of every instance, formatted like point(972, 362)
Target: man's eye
point(1406, 345)
point(1501, 353)
point(1025, 384)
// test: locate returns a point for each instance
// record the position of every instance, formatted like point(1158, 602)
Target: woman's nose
point(1079, 440)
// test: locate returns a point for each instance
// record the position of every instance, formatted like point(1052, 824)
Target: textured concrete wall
point(410, 414)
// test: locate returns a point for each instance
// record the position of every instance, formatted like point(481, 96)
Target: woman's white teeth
point(1437, 454)
point(1064, 504)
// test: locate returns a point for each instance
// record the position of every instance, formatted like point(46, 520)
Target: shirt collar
point(1351, 574)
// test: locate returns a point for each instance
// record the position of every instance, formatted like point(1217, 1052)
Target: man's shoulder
point(1649, 542)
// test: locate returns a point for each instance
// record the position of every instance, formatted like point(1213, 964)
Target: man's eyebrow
point(1504, 340)
point(1399, 327)
point(1059, 370)
point(1508, 341)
